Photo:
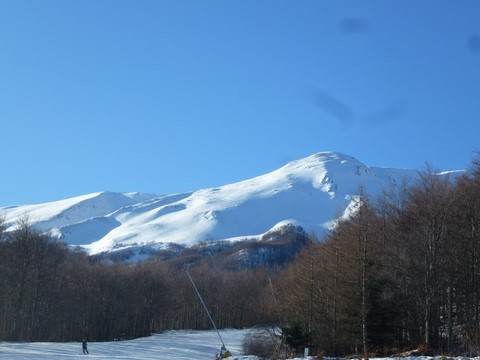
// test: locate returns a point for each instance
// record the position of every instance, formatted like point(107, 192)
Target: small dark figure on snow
point(84, 347)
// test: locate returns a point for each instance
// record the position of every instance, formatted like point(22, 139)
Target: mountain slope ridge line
point(312, 193)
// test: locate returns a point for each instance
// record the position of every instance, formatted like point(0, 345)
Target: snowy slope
point(172, 345)
point(310, 192)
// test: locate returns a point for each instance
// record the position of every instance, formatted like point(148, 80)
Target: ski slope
point(172, 345)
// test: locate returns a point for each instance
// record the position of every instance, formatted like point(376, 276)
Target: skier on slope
point(84, 347)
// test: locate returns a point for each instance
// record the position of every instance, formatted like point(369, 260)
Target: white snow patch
point(171, 345)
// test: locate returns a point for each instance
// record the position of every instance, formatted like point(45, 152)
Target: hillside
point(311, 193)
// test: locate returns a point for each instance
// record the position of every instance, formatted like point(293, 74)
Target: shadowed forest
point(403, 273)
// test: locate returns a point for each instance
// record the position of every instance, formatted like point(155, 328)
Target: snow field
point(171, 345)
point(311, 192)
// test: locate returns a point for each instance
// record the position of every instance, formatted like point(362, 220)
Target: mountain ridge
point(312, 192)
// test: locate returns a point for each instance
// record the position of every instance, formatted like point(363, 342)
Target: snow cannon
point(224, 353)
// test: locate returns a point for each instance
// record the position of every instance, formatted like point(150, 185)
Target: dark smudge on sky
point(390, 113)
point(474, 43)
point(333, 106)
point(350, 26)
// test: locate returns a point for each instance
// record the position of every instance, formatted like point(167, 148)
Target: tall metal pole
point(205, 307)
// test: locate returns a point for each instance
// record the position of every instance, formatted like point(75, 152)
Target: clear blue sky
point(171, 96)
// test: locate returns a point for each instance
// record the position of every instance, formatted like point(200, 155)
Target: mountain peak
point(310, 192)
point(323, 159)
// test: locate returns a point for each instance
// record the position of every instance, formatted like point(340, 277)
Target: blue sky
point(171, 96)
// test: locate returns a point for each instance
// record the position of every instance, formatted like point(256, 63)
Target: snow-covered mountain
point(312, 193)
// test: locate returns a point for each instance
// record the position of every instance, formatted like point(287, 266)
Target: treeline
point(402, 273)
point(273, 250)
point(51, 293)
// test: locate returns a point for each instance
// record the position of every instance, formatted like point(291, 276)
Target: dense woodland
point(51, 293)
point(402, 274)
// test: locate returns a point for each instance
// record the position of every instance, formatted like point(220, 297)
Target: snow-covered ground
point(172, 345)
